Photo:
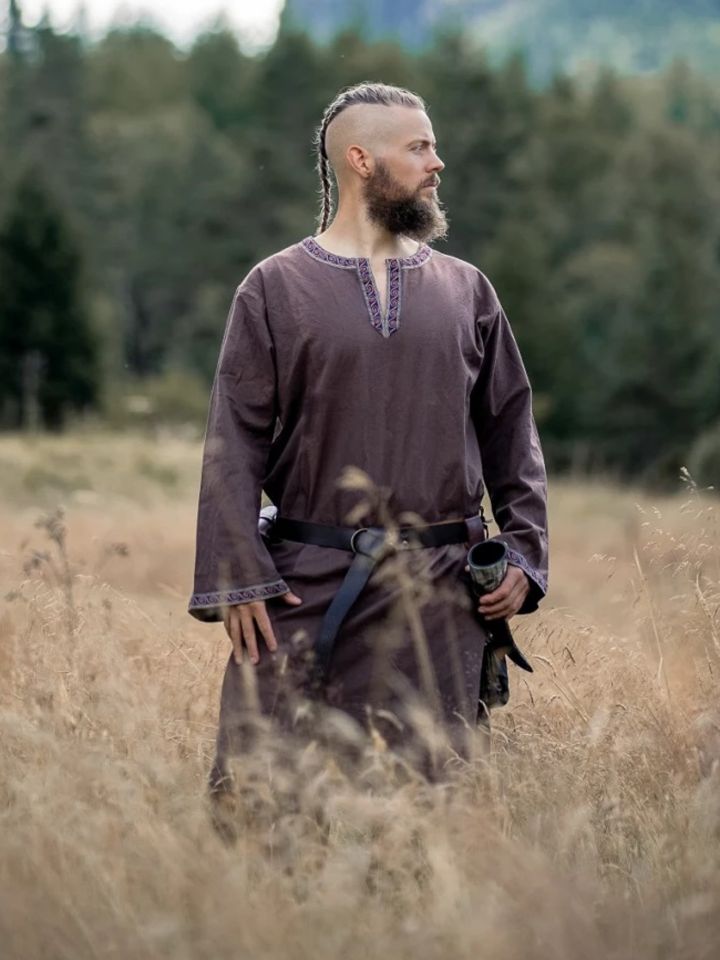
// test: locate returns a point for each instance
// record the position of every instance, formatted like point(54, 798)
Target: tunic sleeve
point(232, 563)
point(513, 464)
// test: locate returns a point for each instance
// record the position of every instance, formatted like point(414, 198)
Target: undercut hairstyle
point(365, 92)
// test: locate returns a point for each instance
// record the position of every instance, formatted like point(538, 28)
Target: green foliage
point(47, 350)
point(593, 208)
point(220, 77)
point(136, 71)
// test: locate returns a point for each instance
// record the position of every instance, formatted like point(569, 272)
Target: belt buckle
point(352, 538)
point(380, 550)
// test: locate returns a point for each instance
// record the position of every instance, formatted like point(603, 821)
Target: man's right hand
point(240, 621)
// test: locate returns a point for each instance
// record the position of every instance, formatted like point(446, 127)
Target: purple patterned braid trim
point(320, 253)
point(518, 560)
point(224, 598)
point(388, 324)
point(373, 301)
point(394, 289)
point(370, 294)
point(417, 259)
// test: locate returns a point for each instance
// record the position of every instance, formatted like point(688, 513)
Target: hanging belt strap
point(370, 545)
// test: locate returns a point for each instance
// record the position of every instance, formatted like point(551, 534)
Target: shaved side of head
point(367, 125)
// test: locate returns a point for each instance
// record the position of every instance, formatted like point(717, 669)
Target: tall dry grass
point(590, 830)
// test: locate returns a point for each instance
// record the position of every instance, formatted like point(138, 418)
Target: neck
point(352, 234)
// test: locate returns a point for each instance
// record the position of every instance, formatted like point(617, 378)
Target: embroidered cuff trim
point(518, 560)
point(225, 598)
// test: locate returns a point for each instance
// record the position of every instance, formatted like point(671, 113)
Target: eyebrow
point(433, 143)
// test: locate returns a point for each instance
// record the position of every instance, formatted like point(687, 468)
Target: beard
point(401, 211)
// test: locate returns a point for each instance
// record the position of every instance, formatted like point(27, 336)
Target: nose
point(436, 164)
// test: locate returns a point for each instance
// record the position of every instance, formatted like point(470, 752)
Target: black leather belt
point(370, 546)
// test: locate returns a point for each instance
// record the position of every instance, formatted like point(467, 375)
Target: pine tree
point(48, 354)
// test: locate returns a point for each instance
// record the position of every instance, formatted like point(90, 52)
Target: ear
point(359, 160)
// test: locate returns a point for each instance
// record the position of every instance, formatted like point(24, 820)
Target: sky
point(255, 20)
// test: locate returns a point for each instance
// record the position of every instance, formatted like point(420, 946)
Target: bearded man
point(373, 388)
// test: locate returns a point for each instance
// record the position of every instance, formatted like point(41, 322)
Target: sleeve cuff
point(208, 606)
point(538, 583)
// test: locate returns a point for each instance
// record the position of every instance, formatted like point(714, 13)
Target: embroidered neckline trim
point(391, 322)
point(312, 247)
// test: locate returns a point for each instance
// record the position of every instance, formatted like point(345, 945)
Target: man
point(366, 380)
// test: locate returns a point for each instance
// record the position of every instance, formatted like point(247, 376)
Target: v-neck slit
point(387, 322)
point(390, 321)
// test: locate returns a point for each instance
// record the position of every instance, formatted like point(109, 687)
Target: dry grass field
point(592, 829)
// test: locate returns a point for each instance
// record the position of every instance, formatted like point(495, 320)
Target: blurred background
point(151, 154)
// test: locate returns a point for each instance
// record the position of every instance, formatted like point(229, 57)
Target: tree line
point(140, 184)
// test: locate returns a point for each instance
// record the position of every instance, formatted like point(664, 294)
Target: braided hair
point(365, 92)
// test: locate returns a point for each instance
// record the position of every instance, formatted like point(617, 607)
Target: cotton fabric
point(430, 400)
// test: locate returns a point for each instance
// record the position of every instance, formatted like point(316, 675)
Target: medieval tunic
point(431, 400)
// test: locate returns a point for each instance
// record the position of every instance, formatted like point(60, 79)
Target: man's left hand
point(505, 601)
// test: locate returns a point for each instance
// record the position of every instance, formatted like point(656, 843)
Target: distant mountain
point(634, 36)
point(410, 21)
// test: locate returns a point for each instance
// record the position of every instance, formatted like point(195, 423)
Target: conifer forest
point(141, 182)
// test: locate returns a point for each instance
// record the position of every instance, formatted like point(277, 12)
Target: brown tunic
point(432, 402)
